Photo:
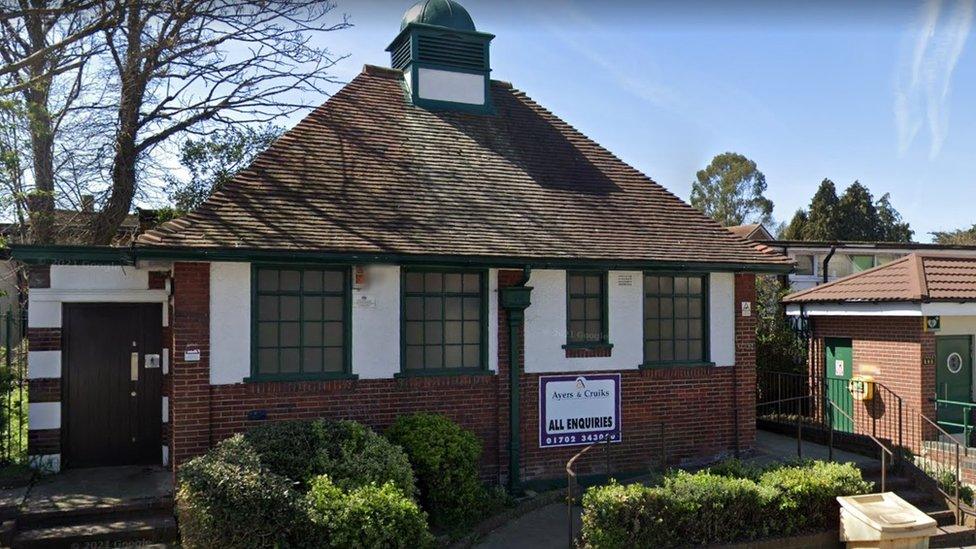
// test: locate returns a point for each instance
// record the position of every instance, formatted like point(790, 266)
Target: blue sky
point(881, 92)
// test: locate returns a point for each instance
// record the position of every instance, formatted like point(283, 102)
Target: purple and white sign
point(578, 409)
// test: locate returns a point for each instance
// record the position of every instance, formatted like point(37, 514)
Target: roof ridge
point(919, 283)
point(846, 279)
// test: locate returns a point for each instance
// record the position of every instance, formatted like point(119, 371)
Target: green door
point(953, 379)
point(840, 364)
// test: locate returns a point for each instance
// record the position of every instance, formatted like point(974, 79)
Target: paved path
point(547, 527)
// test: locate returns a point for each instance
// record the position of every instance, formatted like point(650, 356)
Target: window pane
point(432, 308)
point(472, 356)
point(268, 308)
point(577, 309)
point(268, 361)
point(289, 307)
point(453, 356)
point(332, 308)
point(695, 350)
point(681, 307)
point(593, 285)
point(414, 282)
point(414, 333)
point(576, 284)
point(651, 330)
point(312, 308)
point(651, 307)
point(667, 308)
point(472, 332)
point(681, 328)
point(290, 361)
point(674, 327)
point(667, 350)
point(452, 282)
point(577, 331)
point(268, 280)
point(312, 281)
point(334, 281)
point(665, 329)
point(695, 285)
point(414, 358)
point(593, 330)
point(695, 328)
point(681, 350)
point(667, 285)
point(472, 308)
point(433, 333)
point(289, 334)
point(472, 283)
point(680, 285)
point(290, 281)
point(312, 334)
point(312, 360)
point(695, 307)
point(452, 332)
point(452, 308)
point(414, 308)
point(804, 264)
point(593, 308)
point(651, 285)
point(335, 359)
point(432, 282)
point(267, 334)
point(652, 351)
point(433, 357)
point(333, 334)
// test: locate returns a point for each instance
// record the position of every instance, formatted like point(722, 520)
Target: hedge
point(445, 459)
point(269, 488)
point(708, 508)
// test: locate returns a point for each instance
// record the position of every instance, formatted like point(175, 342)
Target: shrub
point(226, 499)
point(349, 452)
point(708, 508)
point(366, 516)
point(809, 492)
point(445, 459)
point(736, 469)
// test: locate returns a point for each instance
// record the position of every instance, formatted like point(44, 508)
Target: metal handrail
point(958, 476)
point(967, 407)
point(884, 448)
point(571, 477)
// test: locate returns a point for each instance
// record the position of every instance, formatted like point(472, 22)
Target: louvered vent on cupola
point(443, 58)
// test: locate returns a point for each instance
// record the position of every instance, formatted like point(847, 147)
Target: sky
point(880, 92)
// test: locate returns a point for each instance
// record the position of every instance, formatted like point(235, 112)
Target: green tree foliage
point(855, 216)
point(730, 191)
point(778, 347)
point(958, 237)
point(212, 161)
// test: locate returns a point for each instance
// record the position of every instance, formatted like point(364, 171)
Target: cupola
point(443, 57)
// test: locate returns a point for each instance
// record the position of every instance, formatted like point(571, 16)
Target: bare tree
point(188, 65)
point(45, 45)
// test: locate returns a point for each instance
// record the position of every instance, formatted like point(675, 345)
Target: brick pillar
point(190, 401)
point(745, 360)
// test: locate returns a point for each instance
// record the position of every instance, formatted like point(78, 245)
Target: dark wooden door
point(111, 410)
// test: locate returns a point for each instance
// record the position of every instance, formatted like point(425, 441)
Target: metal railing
point(835, 409)
point(13, 388)
point(966, 411)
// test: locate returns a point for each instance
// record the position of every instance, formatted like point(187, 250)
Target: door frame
point(65, 376)
point(840, 423)
point(968, 338)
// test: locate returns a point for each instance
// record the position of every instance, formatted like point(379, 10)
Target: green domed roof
point(442, 13)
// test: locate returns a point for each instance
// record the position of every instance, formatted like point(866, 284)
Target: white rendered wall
point(230, 322)
point(376, 324)
point(721, 318)
point(98, 277)
point(457, 87)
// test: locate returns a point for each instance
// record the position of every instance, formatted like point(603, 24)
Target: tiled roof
point(369, 173)
point(914, 277)
point(752, 231)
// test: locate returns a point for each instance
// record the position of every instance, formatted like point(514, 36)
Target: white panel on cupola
point(457, 87)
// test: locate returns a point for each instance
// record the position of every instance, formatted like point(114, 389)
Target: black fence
point(13, 388)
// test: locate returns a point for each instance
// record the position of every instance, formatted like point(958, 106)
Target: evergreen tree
point(730, 191)
point(891, 226)
point(857, 218)
point(797, 226)
point(822, 218)
point(958, 237)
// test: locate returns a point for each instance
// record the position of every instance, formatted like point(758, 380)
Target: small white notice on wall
point(365, 302)
point(839, 368)
point(746, 308)
point(191, 354)
point(625, 280)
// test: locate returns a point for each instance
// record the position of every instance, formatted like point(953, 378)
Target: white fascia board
point(949, 309)
point(855, 309)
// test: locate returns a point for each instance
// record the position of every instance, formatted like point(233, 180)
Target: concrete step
point(918, 498)
point(892, 483)
point(944, 517)
point(953, 536)
point(79, 514)
point(108, 532)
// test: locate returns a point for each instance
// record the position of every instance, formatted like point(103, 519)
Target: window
point(861, 263)
point(675, 319)
point(443, 321)
point(301, 326)
point(804, 264)
point(586, 301)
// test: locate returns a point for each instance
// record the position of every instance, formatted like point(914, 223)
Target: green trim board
point(438, 321)
point(582, 298)
point(108, 255)
point(302, 294)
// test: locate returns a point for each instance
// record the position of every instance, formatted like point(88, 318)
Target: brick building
point(908, 325)
point(428, 239)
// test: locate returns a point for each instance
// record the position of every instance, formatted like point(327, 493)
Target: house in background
point(429, 239)
point(821, 262)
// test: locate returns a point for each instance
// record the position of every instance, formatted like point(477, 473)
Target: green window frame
point(586, 309)
point(300, 322)
point(443, 321)
point(676, 324)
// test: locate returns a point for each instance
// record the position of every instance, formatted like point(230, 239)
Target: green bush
point(366, 516)
point(226, 499)
point(349, 452)
point(809, 491)
point(445, 459)
point(708, 508)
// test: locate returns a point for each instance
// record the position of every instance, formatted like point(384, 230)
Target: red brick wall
point(698, 406)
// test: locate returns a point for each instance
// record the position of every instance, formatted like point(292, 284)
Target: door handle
point(134, 367)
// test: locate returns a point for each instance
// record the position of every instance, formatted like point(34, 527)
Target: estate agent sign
point(578, 409)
